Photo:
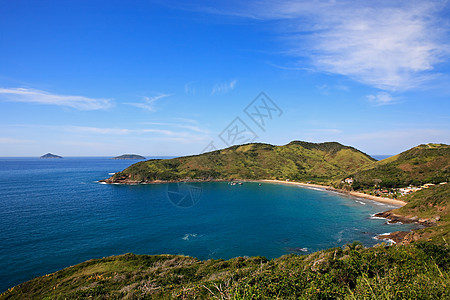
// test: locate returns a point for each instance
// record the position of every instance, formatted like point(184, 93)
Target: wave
point(340, 235)
point(297, 249)
point(394, 223)
point(373, 217)
point(316, 189)
point(360, 202)
point(187, 236)
point(390, 241)
point(386, 233)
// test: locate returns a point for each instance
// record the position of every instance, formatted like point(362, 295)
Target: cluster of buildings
point(402, 191)
point(412, 189)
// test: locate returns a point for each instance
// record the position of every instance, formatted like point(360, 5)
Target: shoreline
point(395, 202)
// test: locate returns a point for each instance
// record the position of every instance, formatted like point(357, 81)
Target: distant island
point(129, 156)
point(50, 155)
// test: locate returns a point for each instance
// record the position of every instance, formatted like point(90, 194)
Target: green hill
point(418, 271)
point(431, 205)
point(300, 161)
point(428, 163)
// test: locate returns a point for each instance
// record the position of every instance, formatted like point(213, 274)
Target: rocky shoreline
point(404, 237)
point(127, 180)
point(394, 218)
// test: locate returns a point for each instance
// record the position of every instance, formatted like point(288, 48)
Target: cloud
point(149, 102)
point(117, 131)
point(7, 140)
point(42, 97)
point(390, 45)
point(97, 130)
point(223, 88)
point(194, 134)
point(329, 131)
point(190, 127)
point(189, 89)
point(381, 98)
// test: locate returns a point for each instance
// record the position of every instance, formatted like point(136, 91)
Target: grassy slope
point(429, 204)
point(422, 164)
point(420, 271)
point(295, 161)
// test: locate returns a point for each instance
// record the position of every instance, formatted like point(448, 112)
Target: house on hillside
point(348, 180)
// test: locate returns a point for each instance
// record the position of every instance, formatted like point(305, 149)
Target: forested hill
point(297, 161)
point(428, 163)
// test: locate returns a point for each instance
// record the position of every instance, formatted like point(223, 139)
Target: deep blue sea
point(54, 213)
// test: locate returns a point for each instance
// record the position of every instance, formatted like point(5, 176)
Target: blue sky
point(101, 78)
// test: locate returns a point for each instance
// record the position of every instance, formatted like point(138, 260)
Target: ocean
point(54, 213)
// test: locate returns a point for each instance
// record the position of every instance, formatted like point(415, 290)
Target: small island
point(129, 156)
point(50, 155)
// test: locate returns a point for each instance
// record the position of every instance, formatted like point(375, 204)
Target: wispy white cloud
point(117, 131)
point(392, 45)
point(326, 130)
point(190, 127)
point(190, 89)
point(42, 97)
point(189, 135)
point(381, 98)
point(97, 130)
point(7, 140)
point(149, 102)
point(223, 88)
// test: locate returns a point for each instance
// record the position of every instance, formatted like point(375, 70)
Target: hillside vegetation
point(428, 163)
point(432, 204)
point(299, 161)
point(420, 271)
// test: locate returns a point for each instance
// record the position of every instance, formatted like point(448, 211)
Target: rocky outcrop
point(394, 218)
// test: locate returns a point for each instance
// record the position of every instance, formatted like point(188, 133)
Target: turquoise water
point(54, 213)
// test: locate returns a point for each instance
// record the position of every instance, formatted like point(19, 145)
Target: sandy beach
point(355, 194)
